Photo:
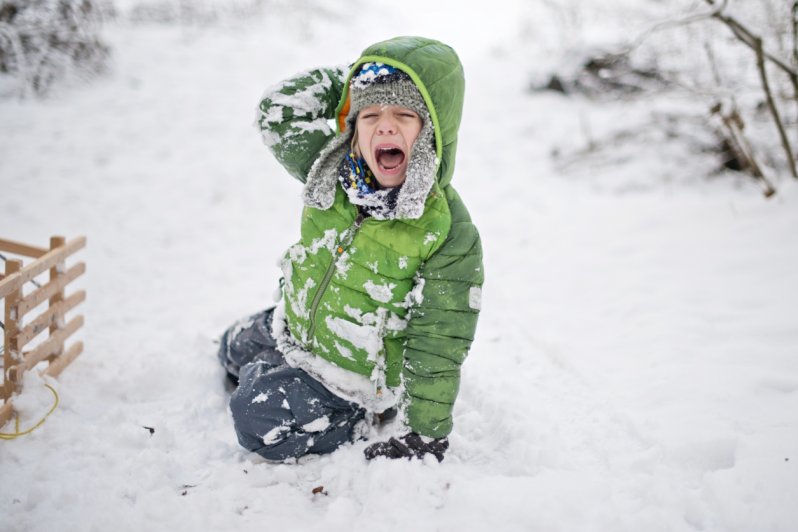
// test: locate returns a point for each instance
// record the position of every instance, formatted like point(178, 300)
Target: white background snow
point(636, 361)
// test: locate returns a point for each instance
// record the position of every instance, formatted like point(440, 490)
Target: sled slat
point(39, 296)
point(58, 317)
point(62, 361)
point(49, 317)
point(43, 263)
point(6, 412)
point(45, 349)
point(10, 349)
point(19, 248)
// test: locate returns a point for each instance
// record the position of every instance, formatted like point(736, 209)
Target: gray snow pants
point(280, 412)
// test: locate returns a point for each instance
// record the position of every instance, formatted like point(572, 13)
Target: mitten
point(408, 446)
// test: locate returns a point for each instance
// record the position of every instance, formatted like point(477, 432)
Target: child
point(381, 294)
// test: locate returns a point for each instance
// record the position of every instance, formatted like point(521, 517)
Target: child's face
point(385, 134)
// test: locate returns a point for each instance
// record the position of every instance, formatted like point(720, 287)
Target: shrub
point(44, 41)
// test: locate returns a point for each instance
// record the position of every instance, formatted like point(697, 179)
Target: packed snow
point(317, 425)
point(636, 361)
point(379, 292)
point(362, 336)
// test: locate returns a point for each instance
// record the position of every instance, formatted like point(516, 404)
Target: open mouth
point(389, 157)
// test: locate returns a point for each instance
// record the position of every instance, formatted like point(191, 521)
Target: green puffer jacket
point(379, 310)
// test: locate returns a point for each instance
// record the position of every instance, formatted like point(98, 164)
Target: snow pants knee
point(280, 412)
point(249, 340)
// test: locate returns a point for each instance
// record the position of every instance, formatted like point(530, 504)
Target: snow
point(347, 384)
point(342, 264)
point(365, 337)
point(306, 102)
point(300, 304)
point(379, 292)
point(327, 241)
point(317, 425)
point(297, 253)
point(344, 351)
point(475, 297)
point(635, 363)
point(273, 435)
point(261, 398)
point(269, 138)
point(316, 125)
point(275, 115)
point(416, 295)
point(430, 237)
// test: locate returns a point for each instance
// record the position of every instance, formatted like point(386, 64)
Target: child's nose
point(386, 126)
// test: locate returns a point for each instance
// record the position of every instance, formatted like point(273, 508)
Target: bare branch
point(666, 25)
point(795, 41)
point(755, 43)
point(737, 141)
point(760, 63)
point(749, 39)
point(795, 33)
point(740, 31)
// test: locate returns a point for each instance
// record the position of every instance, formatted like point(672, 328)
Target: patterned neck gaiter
point(363, 189)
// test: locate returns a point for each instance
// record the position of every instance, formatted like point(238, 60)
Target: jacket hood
point(437, 72)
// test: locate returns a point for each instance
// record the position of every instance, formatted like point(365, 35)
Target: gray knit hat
point(377, 83)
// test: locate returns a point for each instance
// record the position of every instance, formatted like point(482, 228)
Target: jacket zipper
point(325, 282)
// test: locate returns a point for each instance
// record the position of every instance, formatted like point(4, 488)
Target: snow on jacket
point(380, 311)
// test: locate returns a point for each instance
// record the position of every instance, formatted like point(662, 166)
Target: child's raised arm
point(294, 117)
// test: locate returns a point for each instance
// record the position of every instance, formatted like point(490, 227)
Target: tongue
point(390, 159)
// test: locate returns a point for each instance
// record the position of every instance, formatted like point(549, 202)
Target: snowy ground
point(636, 363)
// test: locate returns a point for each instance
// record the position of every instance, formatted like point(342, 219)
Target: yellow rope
point(16, 434)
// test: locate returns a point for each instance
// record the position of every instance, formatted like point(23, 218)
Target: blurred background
point(700, 55)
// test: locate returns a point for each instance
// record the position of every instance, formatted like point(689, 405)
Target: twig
point(785, 142)
point(755, 43)
point(8, 32)
point(795, 41)
point(795, 33)
point(668, 24)
point(740, 31)
point(734, 125)
point(749, 39)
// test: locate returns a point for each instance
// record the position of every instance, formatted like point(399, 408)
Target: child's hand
point(408, 446)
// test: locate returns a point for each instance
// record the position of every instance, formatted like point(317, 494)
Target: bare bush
point(42, 41)
point(739, 58)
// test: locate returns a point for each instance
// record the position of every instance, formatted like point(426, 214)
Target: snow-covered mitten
point(408, 446)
